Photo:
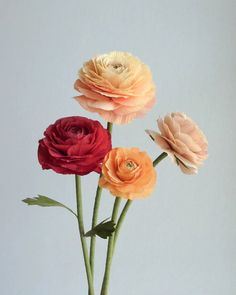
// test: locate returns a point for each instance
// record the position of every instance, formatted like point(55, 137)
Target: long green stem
point(94, 223)
point(95, 216)
point(106, 277)
point(81, 231)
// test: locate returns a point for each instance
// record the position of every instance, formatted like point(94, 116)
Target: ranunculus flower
point(128, 173)
point(74, 145)
point(181, 139)
point(117, 86)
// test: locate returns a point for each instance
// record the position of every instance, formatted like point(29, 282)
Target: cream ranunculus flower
point(181, 139)
point(117, 86)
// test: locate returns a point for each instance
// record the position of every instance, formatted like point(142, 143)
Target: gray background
point(181, 241)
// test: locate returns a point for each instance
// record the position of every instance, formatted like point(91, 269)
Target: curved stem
point(94, 223)
point(106, 277)
point(70, 211)
point(159, 158)
point(81, 231)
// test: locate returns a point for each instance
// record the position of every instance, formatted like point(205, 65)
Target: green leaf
point(103, 229)
point(44, 201)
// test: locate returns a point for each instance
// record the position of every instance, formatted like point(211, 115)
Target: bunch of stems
point(89, 256)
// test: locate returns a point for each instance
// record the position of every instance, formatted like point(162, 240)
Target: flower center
point(117, 67)
point(77, 131)
point(130, 165)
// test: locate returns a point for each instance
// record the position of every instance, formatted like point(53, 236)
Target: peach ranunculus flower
point(181, 139)
point(128, 173)
point(117, 86)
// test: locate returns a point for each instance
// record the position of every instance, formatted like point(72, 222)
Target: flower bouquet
point(119, 87)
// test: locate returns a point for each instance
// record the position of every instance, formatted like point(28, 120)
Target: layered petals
point(181, 139)
point(74, 145)
point(128, 173)
point(117, 86)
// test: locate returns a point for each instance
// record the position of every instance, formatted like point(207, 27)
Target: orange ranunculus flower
point(117, 86)
point(182, 140)
point(128, 173)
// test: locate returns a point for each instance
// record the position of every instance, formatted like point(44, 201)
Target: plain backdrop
point(180, 241)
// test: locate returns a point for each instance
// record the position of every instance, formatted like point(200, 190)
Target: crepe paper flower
point(128, 173)
point(182, 140)
point(117, 86)
point(74, 145)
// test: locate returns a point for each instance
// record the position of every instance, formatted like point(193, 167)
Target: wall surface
point(180, 241)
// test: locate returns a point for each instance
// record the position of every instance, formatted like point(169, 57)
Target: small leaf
point(44, 201)
point(103, 229)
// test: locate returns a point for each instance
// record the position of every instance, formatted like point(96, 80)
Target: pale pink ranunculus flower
point(181, 139)
point(117, 86)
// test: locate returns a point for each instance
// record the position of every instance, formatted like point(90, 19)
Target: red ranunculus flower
point(74, 145)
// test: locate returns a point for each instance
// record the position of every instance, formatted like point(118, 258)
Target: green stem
point(120, 221)
point(159, 159)
point(95, 216)
point(94, 223)
point(81, 231)
point(106, 277)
